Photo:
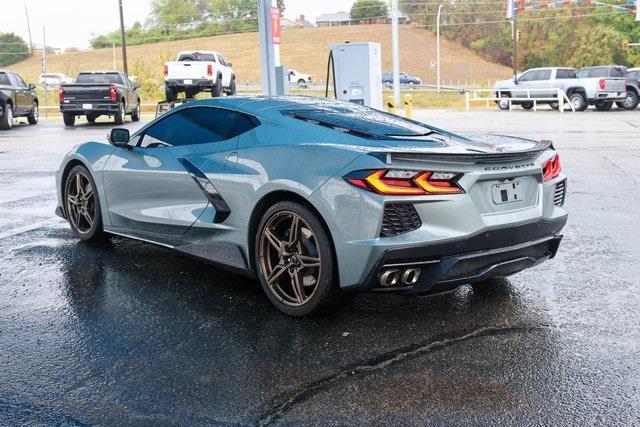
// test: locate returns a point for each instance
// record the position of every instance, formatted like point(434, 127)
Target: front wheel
point(34, 115)
point(503, 102)
point(630, 101)
point(232, 87)
point(82, 205)
point(135, 114)
point(295, 262)
point(527, 105)
point(119, 117)
point(69, 119)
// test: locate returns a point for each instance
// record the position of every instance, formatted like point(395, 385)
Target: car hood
point(504, 83)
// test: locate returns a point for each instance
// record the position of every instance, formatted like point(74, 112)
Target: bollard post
point(391, 104)
point(408, 105)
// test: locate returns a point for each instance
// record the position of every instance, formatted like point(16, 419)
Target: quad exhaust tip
point(397, 276)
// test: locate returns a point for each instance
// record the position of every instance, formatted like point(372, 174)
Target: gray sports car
point(321, 199)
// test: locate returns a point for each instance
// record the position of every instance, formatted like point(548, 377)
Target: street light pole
point(438, 47)
point(124, 42)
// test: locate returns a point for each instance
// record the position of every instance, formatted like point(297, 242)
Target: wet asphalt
point(126, 333)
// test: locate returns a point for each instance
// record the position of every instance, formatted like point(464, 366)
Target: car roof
point(99, 72)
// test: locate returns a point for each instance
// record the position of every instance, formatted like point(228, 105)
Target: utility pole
point(26, 12)
point(124, 42)
point(514, 44)
point(438, 47)
point(395, 51)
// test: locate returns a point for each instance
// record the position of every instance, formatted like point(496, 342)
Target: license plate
point(507, 192)
point(188, 82)
point(87, 106)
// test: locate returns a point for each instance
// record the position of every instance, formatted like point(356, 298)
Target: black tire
point(578, 101)
point(120, 115)
point(527, 105)
point(232, 87)
point(91, 118)
point(95, 231)
point(34, 115)
point(69, 119)
point(169, 94)
point(216, 91)
point(135, 114)
point(327, 297)
point(6, 120)
point(555, 105)
point(603, 105)
point(630, 102)
point(503, 102)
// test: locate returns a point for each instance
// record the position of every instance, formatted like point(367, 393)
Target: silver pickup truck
point(582, 92)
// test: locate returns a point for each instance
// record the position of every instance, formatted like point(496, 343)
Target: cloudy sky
point(72, 22)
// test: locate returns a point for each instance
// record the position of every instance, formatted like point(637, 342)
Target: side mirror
point(31, 86)
point(229, 64)
point(119, 137)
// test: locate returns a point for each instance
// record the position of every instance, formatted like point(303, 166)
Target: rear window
point(565, 74)
point(635, 75)
point(196, 56)
point(99, 78)
point(4, 79)
point(593, 72)
point(361, 121)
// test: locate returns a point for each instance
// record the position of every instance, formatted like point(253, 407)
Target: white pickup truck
point(302, 80)
point(197, 71)
point(545, 82)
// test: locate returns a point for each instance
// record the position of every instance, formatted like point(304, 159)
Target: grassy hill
point(305, 50)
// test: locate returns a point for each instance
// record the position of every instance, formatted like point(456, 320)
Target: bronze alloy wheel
point(290, 259)
point(80, 202)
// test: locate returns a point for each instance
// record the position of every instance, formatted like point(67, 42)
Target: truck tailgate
point(86, 92)
point(187, 70)
point(614, 84)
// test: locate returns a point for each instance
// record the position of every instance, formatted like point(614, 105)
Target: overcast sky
point(72, 22)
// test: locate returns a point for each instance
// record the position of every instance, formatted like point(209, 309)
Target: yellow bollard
point(408, 105)
point(391, 104)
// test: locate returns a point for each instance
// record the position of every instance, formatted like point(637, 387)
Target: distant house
point(333, 19)
point(303, 21)
point(299, 22)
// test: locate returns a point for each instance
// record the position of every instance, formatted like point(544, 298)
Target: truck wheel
point(34, 115)
point(554, 105)
point(503, 102)
point(603, 105)
point(119, 117)
point(578, 101)
point(190, 93)
point(91, 118)
point(527, 105)
point(6, 121)
point(302, 83)
point(69, 119)
point(630, 102)
point(135, 114)
point(216, 91)
point(232, 87)
point(170, 94)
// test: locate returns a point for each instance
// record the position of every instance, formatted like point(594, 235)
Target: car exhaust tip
point(390, 277)
point(411, 276)
point(395, 276)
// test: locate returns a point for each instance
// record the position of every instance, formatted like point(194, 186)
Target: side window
point(565, 74)
point(543, 75)
point(526, 77)
point(242, 124)
point(197, 125)
point(221, 60)
point(19, 81)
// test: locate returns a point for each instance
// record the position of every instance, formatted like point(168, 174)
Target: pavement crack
point(282, 404)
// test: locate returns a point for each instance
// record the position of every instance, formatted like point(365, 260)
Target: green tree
point(12, 49)
point(363, 9)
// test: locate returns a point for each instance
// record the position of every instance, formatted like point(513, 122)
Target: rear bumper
point(97, 107)
point(490, 253)
point(609, 96)
point(179, 84)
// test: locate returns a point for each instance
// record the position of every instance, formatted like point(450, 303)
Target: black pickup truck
point(17, 99)
point(100, 93)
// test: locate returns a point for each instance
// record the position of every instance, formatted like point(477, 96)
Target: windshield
point(196, 56)
point(99, 78)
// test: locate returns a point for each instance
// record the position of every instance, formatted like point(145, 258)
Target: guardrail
point(471, 95)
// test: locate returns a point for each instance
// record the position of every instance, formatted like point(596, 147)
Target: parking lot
point(125, 332)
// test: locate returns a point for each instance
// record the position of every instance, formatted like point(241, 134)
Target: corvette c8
point(320, 200)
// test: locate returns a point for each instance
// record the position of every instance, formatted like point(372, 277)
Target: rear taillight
point(602, 83)
point(166, 70)
point(394, 182)
point(61, 93)
point(551, 169)
point(113, 95)
point(209, 70)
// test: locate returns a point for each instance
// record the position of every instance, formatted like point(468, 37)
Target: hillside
point(305, 50)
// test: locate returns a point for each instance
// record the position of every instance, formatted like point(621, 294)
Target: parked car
point(100, 93)
point(54, 79)
point(633, 90)
point(405, 79)
point(321, 199)
point(17, 99)
point(302, 80)
point(194, 72)
point(581, 92)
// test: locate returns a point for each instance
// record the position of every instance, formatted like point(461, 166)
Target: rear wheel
point(119, 117)
point(578, 101)
point(295, 262)
point(216, 90)
point(630, 101)
point(169, 94)
point(91, 118)
point(81, 204)
point(527, 105)
point(6, 120)
point(603, 105)
point(69, 119)
point(34, 115)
